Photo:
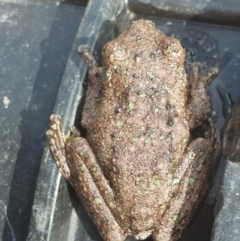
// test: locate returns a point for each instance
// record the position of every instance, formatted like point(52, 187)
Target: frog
point(139, 170)
point(230, 142)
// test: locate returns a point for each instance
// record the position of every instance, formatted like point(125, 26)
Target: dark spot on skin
point(168, 106)
point(170, 121)
point(115, 153)
point(118, 110)
point(151, 78)
point(149, 128)
point(137, 57)
point(148, 131)
point(169, 136)
point(152, 56)
point(114, 150)
point(230, 134)
point(114, 135)
point(134, 75)
point(154, 163)
point(125, 94)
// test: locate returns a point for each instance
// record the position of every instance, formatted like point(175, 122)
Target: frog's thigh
point(92, 188)
point(192, 188)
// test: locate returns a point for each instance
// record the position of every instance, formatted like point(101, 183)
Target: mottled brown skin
point(138, 171)
point(230, 135)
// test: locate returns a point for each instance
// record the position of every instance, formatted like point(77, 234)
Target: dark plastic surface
point(41, 69)
point(226, 12)
point(53, 217)
point(35, 42)
point(227, 210)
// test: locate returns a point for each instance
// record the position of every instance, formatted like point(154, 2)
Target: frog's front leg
point(199, 106)
point(78, 165)
point(94, 86)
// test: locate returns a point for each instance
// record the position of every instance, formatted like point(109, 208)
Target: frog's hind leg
point(199, 106)
point(79, 166)
point(202, 159)
point(192, 182)
point(93, 190)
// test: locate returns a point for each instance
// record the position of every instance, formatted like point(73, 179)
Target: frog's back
point(141, 130)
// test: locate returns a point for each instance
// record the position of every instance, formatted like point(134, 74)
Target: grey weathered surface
point(227, 210)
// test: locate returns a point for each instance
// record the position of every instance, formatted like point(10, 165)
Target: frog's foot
point(79, 166)
point(199, 106)
point(56, 141)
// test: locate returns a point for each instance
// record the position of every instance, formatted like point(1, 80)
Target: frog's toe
point(195, 71)
point(56, 140)
point(197, 65)
point(82, 49)
point(55, 134)
point(211, 74)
